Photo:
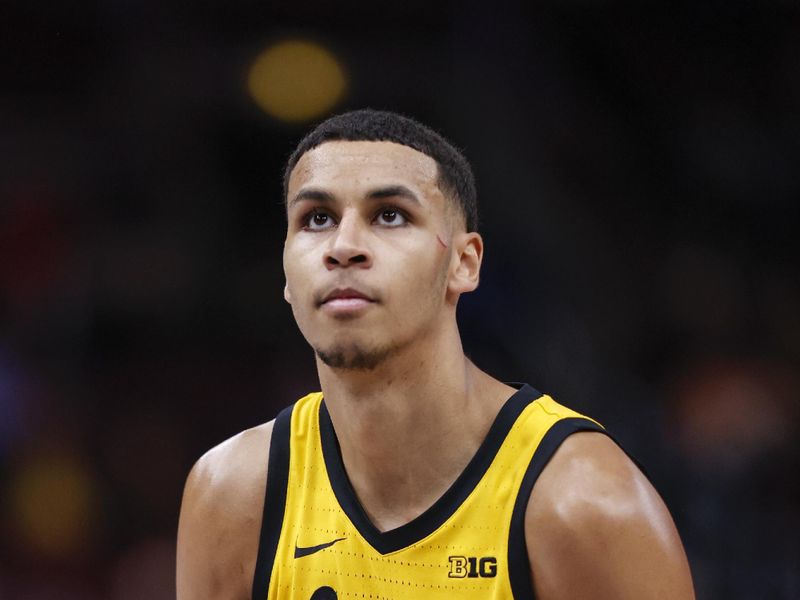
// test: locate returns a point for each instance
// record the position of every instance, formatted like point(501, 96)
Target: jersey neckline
point(429, 521)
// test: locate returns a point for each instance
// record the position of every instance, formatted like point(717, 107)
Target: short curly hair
point(455, 177)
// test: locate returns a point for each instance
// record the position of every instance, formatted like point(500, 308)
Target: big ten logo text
point(472, 566)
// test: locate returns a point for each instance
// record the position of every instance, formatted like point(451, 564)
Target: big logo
point(472, 566)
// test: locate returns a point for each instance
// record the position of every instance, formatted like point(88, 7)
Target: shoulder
point(595, 527)
point(220, 517)
point(234, 466)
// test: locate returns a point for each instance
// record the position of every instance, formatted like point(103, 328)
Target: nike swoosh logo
point(299, 552)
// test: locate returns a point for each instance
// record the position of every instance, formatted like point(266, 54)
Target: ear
point(465, 264)
point(286, 295)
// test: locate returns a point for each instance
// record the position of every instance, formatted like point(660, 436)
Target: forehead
point(363, 162)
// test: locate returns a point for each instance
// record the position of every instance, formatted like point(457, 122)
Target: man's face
point(367, 256)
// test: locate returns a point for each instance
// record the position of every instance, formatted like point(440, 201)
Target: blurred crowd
point(639, 192)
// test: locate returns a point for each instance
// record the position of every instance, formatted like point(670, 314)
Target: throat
point(397, 481)
point(395, 468)
point(393, 457)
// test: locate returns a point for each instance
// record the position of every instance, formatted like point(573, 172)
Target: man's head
point(455, 177)
point(377, 250)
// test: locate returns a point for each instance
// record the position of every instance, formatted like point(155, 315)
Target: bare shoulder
point(235, 468)
point(220, 518)
point(596, 528)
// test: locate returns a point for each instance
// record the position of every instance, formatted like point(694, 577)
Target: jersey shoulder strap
point(274, 501)
point(561, 422)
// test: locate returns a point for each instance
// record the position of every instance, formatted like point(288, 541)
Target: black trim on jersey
point(519, 566)
point(274, 502)
point(426, 523)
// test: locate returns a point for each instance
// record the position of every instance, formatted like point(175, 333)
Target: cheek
point(424, 275)
point(295, 269)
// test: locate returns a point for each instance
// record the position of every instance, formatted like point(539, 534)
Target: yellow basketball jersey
point(317, 542)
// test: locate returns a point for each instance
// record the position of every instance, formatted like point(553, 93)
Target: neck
point(409, 427)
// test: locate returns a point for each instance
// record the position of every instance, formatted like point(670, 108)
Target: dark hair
point(455, 175)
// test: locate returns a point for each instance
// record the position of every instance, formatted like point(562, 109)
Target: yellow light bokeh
point(52, 505)
point(296, 81)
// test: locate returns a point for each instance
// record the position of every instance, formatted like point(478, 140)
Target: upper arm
point(596, 528)
point(220, 519)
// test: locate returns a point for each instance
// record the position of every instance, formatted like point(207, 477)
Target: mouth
point(345, 300)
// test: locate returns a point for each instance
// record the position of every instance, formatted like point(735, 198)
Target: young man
point(413, 474)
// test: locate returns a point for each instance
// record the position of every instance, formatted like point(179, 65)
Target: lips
point(345, 294)
point(345, 302)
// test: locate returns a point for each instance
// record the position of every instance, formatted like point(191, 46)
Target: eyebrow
point(314, 194)
point(393, 191)
point(390, 191)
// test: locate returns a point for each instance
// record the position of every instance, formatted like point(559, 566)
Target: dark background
point(638, 179)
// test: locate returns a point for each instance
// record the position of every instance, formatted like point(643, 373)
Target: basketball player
point(412, 474)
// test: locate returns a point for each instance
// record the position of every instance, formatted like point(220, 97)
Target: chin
point(353, 357)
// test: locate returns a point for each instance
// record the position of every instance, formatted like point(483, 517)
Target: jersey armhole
point(274, 502)
point(519, 569)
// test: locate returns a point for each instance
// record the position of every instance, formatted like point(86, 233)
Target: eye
point(389, 217)
point(317, 220)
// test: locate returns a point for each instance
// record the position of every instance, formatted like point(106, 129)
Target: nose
point(348, 245)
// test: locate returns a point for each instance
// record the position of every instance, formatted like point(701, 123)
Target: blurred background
point(637, 168)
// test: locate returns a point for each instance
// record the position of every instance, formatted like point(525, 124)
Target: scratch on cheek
point(441, 241)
